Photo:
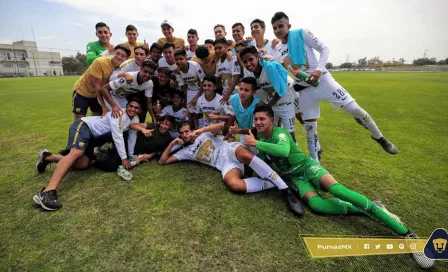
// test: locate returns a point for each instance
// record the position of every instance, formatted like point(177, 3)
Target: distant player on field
point(296, 51)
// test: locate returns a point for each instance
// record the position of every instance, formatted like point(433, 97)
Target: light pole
point(35, 67)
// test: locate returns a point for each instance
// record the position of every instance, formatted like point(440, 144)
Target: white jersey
point(121, 89)
point(226, 70)
point(190, 54)
point(268, 47)
point(179, 116)
point(192, 78)
point(101, 125)
point(311, 42)
point(208, 107)
point(164, 63)
point(125, 67)
point(267, 92)
point(206, 149)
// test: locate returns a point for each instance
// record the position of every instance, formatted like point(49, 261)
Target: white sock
point(265, 172)
point(359, 113)
point(256, 185)
point(311, 136)
point(318, 143)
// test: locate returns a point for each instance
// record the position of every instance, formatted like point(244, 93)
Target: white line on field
point(38, 91)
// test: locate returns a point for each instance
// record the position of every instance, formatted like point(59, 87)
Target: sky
point(351, 29)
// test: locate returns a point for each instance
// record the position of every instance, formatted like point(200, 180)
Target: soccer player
point(102, 47)
point(283, 106)
point(201, 145)
point(132, 35)
point(115, 93)
point(155, 52)
point(207, 59)
point(132, 65)
point(190, 79)
point(88, 86)
point(258, 29)
point(310, 177)
point(168, 56)
point(177, 111)
point(209, 103)
point(210, 44)
point(167, 30)
point(82, 133)
point(227, 71)
point(163, 89)
point(192, 38)
point(303, 45)
point(151, 140)
point(220, 33)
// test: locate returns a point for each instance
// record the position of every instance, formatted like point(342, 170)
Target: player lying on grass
point(201, 145)
point(82, 133)
point(296, 51)
point(275, 143)
point(151, 140)
point(114, 95)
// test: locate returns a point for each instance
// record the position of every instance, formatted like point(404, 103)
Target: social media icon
point(390, 246)
point(377, 246)
point(413, 246)
point(401, 246)
point(366, 246)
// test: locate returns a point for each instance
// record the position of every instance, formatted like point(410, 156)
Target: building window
point(8, 55)
point(21, 65)
point(7, 65)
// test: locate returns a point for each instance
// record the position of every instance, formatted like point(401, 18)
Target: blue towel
point(243, 116)
point(296, 47)
point(277, 75)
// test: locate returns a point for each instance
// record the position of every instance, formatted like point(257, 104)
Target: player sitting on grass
point(275, 144)
point(115, 93)
point(202, 146)
point(81, 134)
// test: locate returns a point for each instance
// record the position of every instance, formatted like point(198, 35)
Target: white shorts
point(286, 113)
point(190, 96)
point(229, 157)
point(329, 90)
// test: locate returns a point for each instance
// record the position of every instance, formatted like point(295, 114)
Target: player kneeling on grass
point(276, 144)
point(201, 145)
point(81, 133)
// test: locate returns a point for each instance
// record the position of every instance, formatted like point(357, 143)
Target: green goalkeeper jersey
point(282, 150)
point(94, 50)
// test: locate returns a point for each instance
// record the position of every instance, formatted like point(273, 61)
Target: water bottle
point(158, 108)
point(302, 76)
point(125, 174)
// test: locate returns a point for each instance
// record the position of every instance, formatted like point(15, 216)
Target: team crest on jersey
point(121, 80)
point(81, 144)
point(78, 109)
point(282, 137)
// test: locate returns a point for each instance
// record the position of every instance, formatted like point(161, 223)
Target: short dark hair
point(202, 52)
point(219, 25)
point(192, 31)
point(149, 63)
point(278, 16)
point(144, 48)
point(135, 99)
point(101, 24)
point(155, 46)
point(249, 50)
point(169, 118)
point(264, 108)
point(251, 81)
point(179, 93)
point(210, 78)
point(168, 45)
point(260, 22)
point(238, 24)
point(243, 44)
point(131, 28)
point(180, 52)
point(220, 40)
point(184, 123)
point(209, 41)
point(123, 47)
point(164, 70)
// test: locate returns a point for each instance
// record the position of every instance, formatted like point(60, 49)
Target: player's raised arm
point(166, 157)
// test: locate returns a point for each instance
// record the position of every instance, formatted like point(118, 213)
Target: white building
point(23, 58)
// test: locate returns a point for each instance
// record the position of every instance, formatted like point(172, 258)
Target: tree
point(424, 61)
point(441, 62)
point(74, 64)
point(374, 60)
point(347, 65)
point(401, 61)
point(362, 62)
point(329, 65)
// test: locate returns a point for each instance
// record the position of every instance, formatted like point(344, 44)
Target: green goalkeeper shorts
point(309, 178)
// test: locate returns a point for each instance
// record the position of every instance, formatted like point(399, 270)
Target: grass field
point(182, 218)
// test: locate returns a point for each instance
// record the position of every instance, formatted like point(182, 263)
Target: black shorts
point(82, 103)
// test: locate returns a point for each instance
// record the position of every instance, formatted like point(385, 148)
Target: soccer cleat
point(295, 205)
point(387, 145)
point(48, 200)
point(423, 261)
point(41, 164)
point(382, 207)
